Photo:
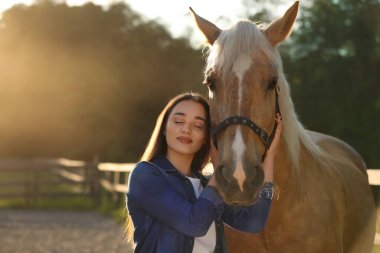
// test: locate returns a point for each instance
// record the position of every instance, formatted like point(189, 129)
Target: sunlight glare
point(6, 4)
point(97, 2)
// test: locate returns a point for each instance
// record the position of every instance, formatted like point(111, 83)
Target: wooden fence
point(33, 179)
point(114, 170)
point(89, 177)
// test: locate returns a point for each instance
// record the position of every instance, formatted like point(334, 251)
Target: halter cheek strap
point(265, 138)
point(277, 111)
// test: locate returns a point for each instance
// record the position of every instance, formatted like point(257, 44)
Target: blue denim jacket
point(167, 216)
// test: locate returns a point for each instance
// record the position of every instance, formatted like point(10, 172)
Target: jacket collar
point(164, 163)
point(167, 166)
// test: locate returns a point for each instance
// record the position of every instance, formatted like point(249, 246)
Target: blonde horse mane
point(243, 38)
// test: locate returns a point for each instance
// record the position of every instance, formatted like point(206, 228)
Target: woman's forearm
point(269, 159)
point(268, 168)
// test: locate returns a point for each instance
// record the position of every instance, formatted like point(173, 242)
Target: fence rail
point(113, 177)
point(37, 178)
point(373, 174)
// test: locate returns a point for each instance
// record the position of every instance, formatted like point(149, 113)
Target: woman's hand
point(214, 155)
point(274, 146)
point(269, 159)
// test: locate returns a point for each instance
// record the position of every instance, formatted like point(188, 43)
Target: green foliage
point(83, 81)
point(333, 62)
point(112, 208)
point(72, 203)
point(265, 13)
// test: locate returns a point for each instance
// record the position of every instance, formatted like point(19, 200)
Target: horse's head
point(243, 73)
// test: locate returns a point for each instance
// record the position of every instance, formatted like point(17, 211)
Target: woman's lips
point(185, 140)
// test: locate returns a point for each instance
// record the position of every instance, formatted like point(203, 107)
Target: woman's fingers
point(279, 125)
point(276, 139)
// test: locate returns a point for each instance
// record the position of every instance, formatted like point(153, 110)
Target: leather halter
point(265, 138)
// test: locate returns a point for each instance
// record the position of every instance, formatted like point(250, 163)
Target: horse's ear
point(209, 30)
point(279, 29)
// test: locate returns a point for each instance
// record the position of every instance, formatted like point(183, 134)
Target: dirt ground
point(33, 231)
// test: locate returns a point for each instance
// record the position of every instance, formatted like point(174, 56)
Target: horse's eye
point(210, 82)
point(272, 83)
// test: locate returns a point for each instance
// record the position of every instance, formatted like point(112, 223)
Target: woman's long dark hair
point(157, 145)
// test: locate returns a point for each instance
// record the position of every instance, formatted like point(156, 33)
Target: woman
point(172, 206)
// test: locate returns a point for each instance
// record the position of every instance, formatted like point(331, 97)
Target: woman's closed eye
point(199, 126)
point(180, 122)
point(196, 124)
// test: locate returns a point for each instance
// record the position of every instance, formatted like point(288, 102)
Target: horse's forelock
point(242, 38)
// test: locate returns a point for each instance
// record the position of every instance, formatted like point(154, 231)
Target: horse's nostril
point(224, 172)
point(223, 176)
point(257, 175)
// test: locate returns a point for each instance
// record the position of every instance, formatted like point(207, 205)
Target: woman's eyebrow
point(200, 118)
point(184, 114)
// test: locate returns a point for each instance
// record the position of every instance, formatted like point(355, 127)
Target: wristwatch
point(268, 184)
point(267, 190)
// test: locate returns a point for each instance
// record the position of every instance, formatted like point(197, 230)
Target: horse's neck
point(282, 171)
point(286, 176)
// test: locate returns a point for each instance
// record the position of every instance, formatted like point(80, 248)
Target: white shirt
point(206, 243)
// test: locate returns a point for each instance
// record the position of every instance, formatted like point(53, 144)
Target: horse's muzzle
point(230, 189)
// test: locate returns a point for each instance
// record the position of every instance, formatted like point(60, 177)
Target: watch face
point(267, 190)
point(267, 195)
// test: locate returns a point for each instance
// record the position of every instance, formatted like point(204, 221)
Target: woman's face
point(186, 128)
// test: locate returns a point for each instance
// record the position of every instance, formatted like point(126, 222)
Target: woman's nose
point(185, 128)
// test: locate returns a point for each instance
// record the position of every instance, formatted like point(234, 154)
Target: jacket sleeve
point(248, 218)
point(149, 190)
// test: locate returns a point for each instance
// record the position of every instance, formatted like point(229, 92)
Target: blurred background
point(87, 80)
point(82, 83)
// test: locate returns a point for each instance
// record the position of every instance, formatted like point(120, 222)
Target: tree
point(83, 81)
point(333, 62)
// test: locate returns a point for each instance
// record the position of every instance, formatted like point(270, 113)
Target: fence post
point(116, 180)
point(28, 188)
point(36, 187)
point(94, 179)
point(86, 185)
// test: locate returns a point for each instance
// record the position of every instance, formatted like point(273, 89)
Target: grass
point(72, 203)
point(113, 209)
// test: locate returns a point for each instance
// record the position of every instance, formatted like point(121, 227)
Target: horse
point(324, 202)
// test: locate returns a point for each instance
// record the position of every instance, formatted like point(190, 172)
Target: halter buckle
point(264, 136)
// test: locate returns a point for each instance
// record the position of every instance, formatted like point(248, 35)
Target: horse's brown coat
point(325, 204)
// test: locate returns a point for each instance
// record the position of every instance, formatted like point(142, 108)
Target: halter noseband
point(241, 120)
